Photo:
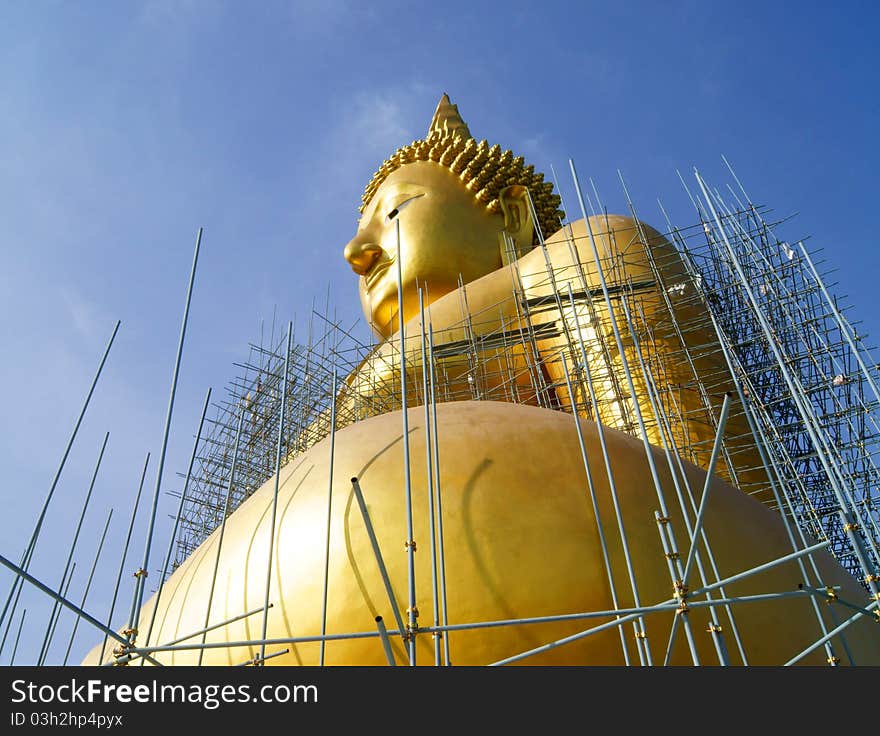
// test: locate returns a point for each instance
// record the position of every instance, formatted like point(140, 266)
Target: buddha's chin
point(380, 305)
point(380, 311)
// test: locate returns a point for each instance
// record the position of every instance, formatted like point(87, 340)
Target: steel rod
point(329, 512)
point(17, 636)
point(609, 473)
point(134, 510)
point(219, 625)
point(276, 486)
point(834, 632)
point(255, 642)
point(595, 505)
point(641, 636)
point(222, 526)
point(710, 470)
point(386, 642)
point(761, 568)
point(671, 451)
point(355, 485)
point(628, 615)
point(88, 586)
point(669, 606)
point(705, 589)
point(44, 650)
point(438, 496)
point(430, 478)
point(58, 615)
point(180, 506)
point(141, 582)
point(412, 611)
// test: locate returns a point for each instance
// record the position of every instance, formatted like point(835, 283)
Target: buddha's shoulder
point(609, 230)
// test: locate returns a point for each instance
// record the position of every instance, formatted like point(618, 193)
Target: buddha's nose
point(361, 254)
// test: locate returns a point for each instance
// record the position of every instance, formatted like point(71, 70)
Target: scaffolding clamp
point(714, 628)
point(672, 555)
point(663, 519)
point(140, 573)
point(641, 635)
point(833, 661)
point(872, 578)
point(121, 657)
point(679, 589)
point(410, 543)
point(831, 595)
point(130, 632)
point(851, 527)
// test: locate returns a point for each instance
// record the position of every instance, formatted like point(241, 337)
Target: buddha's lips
point(376, 272)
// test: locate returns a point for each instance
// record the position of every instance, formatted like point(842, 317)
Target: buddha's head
point(463, 209)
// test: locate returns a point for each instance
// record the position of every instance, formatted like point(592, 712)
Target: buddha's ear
point(518, 222)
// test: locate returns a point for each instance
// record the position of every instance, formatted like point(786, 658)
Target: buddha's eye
point(396, 211)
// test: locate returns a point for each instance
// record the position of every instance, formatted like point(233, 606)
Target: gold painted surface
point(520, 540)
point(520, 536)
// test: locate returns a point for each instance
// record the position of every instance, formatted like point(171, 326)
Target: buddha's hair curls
point(484, 170)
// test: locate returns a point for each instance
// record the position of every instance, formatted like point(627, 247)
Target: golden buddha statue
point(477, 236)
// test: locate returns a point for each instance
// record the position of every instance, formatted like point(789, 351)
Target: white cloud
point(385, 119)
point(86, 318)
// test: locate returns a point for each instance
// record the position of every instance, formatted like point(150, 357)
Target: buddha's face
point(445, 233)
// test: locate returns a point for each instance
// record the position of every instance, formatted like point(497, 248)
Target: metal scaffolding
point(718, 343)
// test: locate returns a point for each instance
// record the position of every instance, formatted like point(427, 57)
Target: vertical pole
point(701, 514)
point(438, 496)
point(638, 626)
point(58, 617)
point(44, 649)
point(410, 544)
point(275, 492)
point(142, 572)
point(222, 528)
point(329, 510)
point(171, 540)
point(602, 543)
point(386, 643)
point(17, 637)
point(374, 543)
point(670, 553)
point(667, 535)
point(88, 585)
point(29, 550)
point(134, 510)
point(435, 635)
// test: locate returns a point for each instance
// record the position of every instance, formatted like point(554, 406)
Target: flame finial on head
point(447, 120)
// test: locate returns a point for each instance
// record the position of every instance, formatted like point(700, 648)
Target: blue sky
point(126, 126)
